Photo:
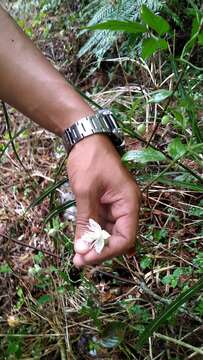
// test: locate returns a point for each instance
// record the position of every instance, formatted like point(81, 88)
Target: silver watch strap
point(100, 122)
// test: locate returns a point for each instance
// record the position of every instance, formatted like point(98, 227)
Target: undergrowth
point(148, 306)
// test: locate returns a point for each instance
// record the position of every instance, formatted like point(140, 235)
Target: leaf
point(132, 27)
point(151, 45)
point(197, 210)
point(200, 38)
point(176, 148)
point(45, 193)
point(155, 22)
point(44, 299)
point(145, 262)
point(181, 184)
point(5, 147)
point(143, 156)
point(59, 209)
point(5, 269)
point(161, 319)
point(159, 95)
point(196, 149)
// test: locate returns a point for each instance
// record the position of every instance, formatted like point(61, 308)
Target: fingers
point(87, 208)
point(122, 241)
point(116, 247)
point(123, 229)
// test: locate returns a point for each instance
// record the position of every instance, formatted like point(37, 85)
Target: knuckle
point(82, 222)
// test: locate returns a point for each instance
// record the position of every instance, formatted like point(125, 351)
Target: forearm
point(32, 85)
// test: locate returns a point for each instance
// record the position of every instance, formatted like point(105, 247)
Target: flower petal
point(99, 244)
point(94, 226)
point(89, 237)
point(105, 234)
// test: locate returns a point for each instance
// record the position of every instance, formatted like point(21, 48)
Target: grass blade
point(10, 135)
point(59, 209)
point(2, 152)
point(49, 190)
point(157, 322)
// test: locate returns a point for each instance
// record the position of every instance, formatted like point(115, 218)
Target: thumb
point(87, 208)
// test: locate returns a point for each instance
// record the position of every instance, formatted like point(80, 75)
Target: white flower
point(96, 237)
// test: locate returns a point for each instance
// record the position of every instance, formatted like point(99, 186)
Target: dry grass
point(107, 302)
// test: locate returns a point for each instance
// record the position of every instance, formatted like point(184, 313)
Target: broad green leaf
point(143, 156)
point(159, 95)
point(132, 27)
point(155, 22)
point(151, 45)
point(176, 148)
point(44, 299)
point(170, 310)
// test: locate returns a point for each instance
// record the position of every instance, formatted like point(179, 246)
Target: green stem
point(185, 167)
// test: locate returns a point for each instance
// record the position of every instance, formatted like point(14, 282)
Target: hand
point(105, 192)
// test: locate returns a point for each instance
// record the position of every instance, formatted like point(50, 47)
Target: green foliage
point(155, 22)
point(175, 278)
point(199, 307)
point(160, 95)
point(14, 347)
point(118, 308)
point(197, 210)
point(174, 306)
point(44, 299)
point(198, 261)
point(103, 11)
point(176, 148)
point(5, 269)
point(150, 46)
point(145, 262)
point(143, 156)
point(131, 27)
point(59, 209)
point(48, 191)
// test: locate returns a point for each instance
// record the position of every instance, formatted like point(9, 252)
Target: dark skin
point(104, 189)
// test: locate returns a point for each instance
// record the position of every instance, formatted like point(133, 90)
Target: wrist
point(94, 146)
point(70, 115)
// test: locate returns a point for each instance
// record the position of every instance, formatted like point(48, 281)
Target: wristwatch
point(102, 122)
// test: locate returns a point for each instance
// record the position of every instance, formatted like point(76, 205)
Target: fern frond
point(96, 12)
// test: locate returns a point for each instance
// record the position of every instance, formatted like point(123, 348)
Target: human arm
point(103, 188)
